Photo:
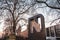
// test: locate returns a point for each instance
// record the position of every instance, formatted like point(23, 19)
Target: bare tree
point(16, 8)
point(15, 17)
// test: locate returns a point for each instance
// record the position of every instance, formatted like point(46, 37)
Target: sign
point(36, 28)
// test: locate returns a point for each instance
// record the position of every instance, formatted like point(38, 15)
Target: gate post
point(33, 32)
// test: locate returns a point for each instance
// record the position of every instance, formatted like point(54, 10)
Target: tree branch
point(7, 3)
point(6, 8)
point(48, 5)
point(20, 19)
point(54, 20)
point(58, 1)
point(24, 11)
point(15, 3)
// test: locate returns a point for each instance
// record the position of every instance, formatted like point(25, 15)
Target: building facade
point(53, 32)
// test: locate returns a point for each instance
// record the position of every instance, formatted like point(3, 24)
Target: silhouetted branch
point(6, 8)
point(15, 3)
point(58, 1)
point(7, 3)
point(24, 11)
point(20, 19)
point(48, 5)
point(54, 20)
